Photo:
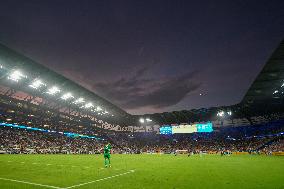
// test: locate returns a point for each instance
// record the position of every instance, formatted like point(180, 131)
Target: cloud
point(136, 91)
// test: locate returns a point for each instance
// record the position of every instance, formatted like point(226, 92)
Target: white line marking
point(98, 180)
point(30, 183)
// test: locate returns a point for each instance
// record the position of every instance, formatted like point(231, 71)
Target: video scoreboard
point(166, 130)
point(204, 127)
point(186, 128)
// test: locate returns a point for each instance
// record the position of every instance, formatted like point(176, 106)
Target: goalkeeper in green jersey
point(107, 149)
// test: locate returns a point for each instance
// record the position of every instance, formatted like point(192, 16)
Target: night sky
point(149, 56)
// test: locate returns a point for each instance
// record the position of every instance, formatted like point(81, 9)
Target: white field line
point(30, 183)
point(74, 186)
point(98, 180)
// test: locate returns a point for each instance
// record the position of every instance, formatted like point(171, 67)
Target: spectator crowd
point(15, 141)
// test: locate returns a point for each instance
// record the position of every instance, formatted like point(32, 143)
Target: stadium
point(53, 130)
point(56, 133)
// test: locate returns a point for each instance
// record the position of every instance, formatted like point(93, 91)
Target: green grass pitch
point(150, 171)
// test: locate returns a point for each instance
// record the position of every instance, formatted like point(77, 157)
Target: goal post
point(181, 151)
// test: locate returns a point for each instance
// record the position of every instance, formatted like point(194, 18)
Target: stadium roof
point(268, 88)
point(11, 60)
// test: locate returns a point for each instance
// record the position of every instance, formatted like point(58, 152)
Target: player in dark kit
point(107, 149)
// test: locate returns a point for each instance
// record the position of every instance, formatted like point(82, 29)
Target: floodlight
point(229, 112)
point(16, 75)
point(141, 120)
point(36, 84)
point(89, 105)
point(67, 96)
point(148, 120)
point(79, 100)
point(99, 108)
point(220, 114)
point(53, 90)
point(276, 91)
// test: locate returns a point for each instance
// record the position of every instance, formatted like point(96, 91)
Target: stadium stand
point(36, 97)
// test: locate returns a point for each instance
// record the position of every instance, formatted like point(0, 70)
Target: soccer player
point(107, 149)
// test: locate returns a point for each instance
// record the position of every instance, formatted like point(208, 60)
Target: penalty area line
point(98, 180)
point(30, 183)
point(74, 186)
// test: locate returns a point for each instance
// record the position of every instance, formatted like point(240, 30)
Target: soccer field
point(141, 171)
